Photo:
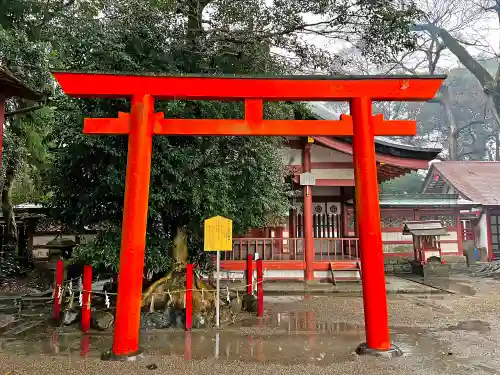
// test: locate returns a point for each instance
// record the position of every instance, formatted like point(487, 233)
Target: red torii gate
point(142, 123)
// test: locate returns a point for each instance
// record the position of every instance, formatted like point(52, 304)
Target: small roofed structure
point(425, 238)
point(426, 246)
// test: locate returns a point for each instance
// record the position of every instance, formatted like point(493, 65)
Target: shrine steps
point(345, 271)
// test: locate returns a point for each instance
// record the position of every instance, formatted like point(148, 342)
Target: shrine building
point(333, 228)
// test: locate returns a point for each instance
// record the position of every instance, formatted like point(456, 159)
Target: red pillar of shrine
point(369, 231)
point(308, 224)
point(135, 212)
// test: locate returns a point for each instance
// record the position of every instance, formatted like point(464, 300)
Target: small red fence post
point(189, 297)
point(260, 288)
point(249, 274)
point(58, 288)
point(86, 297)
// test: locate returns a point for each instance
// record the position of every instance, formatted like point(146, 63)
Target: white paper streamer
point(203, 296)
point(227, 295)
point(70, 287)
point(106, 300)
point(59, 294)
point(152, 304)
point(80, 299)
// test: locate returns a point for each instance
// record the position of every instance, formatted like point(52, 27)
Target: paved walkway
point(394, 285)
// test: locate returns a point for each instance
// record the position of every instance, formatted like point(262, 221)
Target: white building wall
point(482, 232)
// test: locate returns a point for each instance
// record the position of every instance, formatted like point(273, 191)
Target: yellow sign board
point(310, 140)
point(218, 234)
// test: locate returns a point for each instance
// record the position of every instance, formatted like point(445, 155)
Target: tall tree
point(194, 177)
point(453, 39)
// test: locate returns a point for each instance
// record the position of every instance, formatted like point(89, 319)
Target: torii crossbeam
point(142, 123)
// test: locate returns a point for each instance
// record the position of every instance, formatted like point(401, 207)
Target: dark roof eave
point(11, 86)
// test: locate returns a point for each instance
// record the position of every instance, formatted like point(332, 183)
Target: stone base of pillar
point(109, 356)
point(393, 352)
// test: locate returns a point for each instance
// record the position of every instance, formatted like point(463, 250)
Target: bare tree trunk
point(488, 82)
point(497, 147)
point(8, 208)
point(445, 101)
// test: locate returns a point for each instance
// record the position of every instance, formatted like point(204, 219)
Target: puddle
point(286, 348)
point(472, 325)
point(286, 338)
point(453, 286)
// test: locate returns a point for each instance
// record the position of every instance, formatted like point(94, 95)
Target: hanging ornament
point(60, 294)
point(88, 302)
point(238, 300)
point(152, 304)
point(80, 283)
point(71, 300)
point(106, 300)
point(203, 296)
point(80, 299)
point(228, 299)
point(70, 288)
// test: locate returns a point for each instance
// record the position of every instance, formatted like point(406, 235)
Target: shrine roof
point(478, 181)
point(321, 112)
point(12, 86)
point(425, 228)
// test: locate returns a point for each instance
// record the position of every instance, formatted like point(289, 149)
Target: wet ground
point(454, 332)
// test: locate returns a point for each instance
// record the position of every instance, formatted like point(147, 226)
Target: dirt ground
point(438, 333)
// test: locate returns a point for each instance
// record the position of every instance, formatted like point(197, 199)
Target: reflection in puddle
point(287, 338)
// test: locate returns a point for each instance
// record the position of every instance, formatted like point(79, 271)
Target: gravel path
point(440, 334)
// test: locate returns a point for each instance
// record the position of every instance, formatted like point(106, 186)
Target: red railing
point(326, 249)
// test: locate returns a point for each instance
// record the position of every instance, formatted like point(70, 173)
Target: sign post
point(218, 236)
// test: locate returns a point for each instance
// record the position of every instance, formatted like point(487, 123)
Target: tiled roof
point(478, 181)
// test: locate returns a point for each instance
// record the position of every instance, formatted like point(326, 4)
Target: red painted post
point(57, 288)
point(189, 297)
point(368, 222)
point(86, 297)
point(135, 212)
point(308, 223)
point(249, 274)
point(260, 288)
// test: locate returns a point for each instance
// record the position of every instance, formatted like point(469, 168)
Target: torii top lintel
point(252, 90)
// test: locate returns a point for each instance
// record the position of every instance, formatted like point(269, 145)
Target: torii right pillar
point(369, 232)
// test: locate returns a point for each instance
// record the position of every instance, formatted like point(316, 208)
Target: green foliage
point(410, 183)
point(11, 266)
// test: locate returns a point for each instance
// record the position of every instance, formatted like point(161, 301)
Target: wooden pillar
point(308, 224)
point(135, 212)
point(368, 224)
